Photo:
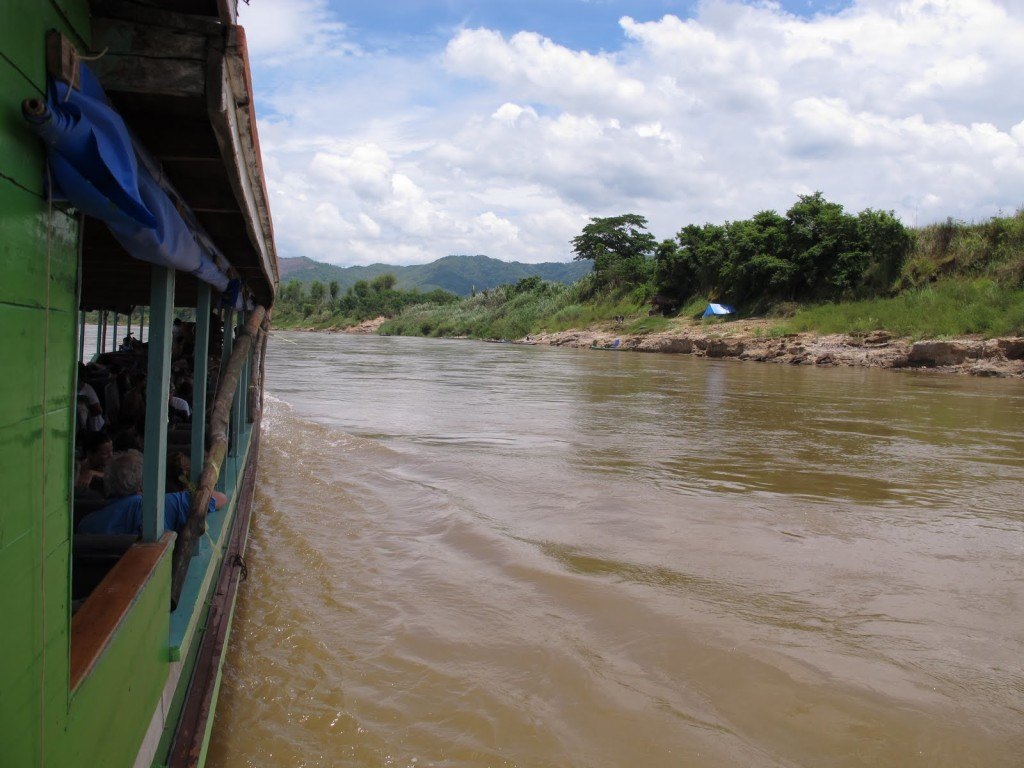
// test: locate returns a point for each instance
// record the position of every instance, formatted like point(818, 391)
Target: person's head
point(179, 466)
point(98, 449)
point(123, 476)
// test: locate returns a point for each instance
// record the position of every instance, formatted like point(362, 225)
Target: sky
point(401, 131)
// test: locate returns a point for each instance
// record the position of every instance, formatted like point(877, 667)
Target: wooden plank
point(157, 393)
point(61, 58)
point(167, 77)
point(181, 19)
point(233, 120)
point(143, 58)
point(96, 623)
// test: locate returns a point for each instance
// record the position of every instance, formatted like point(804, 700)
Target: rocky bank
point(978, 357)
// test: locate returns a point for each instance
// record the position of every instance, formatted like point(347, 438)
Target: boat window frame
point(158, 381)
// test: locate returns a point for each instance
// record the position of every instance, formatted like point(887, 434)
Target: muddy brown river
point(470, 554)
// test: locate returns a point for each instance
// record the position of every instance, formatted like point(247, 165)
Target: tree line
point(815, 252)
point(363, 300)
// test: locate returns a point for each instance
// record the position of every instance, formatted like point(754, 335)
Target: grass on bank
point(947, 308)
point(512, 312)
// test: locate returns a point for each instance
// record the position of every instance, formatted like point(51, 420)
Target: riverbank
point(754, 341)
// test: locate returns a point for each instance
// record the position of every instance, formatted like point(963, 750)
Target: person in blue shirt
point(123, 483)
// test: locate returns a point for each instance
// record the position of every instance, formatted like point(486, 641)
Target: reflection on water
point(470, 554)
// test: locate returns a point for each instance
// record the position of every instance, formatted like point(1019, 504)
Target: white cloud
point(280, 31)
point(532, 67)
point(505, 145)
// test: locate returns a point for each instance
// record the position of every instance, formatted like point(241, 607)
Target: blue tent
point(714, 310)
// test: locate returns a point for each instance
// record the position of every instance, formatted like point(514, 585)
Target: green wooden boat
point(112, 645)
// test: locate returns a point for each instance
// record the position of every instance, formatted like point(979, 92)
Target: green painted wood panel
point(76, 13)
point(22, 643)
point(20, 449)
point(56, 609)
point(57, 485)
point(110, 711)
point(23, 74)
point(27, 243)
point(21, 386)
point(20, 151)
point(60, 356)
point(62, 252)
point(21, 639)
point(38, 301)
point(19, 706)
point(22, 241)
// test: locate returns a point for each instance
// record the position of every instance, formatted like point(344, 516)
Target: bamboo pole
point(256, 387)
point(218, 432)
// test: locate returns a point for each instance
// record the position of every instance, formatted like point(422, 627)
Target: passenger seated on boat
point(179, 467)
point(94, 421)
point(183, 388)
point(182, 410)
point(133, 403)
point(111, 401)
point(123, 480)
point(98, 450)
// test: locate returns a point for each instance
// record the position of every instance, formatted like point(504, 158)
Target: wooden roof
point(177, 71)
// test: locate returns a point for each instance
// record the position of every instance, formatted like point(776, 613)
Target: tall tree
point(333, 288)
point(292, 291)
point(619, 246)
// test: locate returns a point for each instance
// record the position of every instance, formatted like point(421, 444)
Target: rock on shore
point(979, 357)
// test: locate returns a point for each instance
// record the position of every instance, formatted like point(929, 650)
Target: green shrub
point(994, 249)
point(947, 308)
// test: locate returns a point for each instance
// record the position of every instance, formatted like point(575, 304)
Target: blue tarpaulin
point(93, 166)
point(715, 310)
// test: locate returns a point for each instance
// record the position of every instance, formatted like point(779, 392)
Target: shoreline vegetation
point(817, 286)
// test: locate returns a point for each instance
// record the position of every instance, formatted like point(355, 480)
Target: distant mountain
point(458, 274)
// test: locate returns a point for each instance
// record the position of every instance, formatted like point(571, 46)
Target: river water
point(470, 554)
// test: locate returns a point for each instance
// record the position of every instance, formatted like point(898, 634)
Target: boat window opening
point(116, 382)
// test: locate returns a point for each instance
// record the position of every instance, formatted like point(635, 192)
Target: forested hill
point(458, 274)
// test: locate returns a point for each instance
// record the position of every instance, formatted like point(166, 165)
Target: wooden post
point(113, 338)
point(231, 371)
point(236, 407)
point(81, 335)
point(200, 373)
point(256, 401)
point(158, 371)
